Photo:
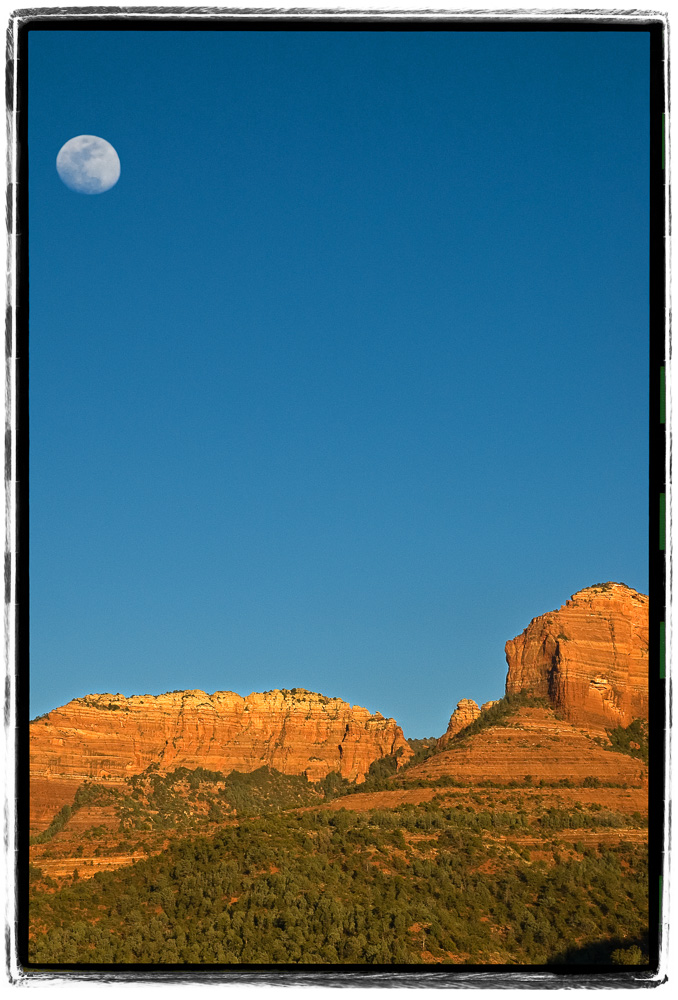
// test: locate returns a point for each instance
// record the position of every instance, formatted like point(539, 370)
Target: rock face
point(589, 658)
point(108, 737)
point(463, 715)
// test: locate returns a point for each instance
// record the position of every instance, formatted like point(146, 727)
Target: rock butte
point(464, 714)
point(108, 737)
point(589, 658)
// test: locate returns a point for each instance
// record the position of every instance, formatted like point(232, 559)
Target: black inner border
point(483, 976)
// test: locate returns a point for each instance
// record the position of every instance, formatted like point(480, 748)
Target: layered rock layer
point(535, 743)
point(105, 738)
point(589, 658)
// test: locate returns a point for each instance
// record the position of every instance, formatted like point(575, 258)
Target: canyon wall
point(589, 658)
point(105, 738)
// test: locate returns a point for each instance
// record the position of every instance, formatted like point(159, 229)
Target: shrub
point(632, 740)
point(628, 956)
point(57, 824)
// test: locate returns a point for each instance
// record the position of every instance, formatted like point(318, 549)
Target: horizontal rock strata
point(534, 743)
point(589, 658)
point(106, 738)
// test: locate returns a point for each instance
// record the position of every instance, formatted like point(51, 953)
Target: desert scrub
point(632, 740)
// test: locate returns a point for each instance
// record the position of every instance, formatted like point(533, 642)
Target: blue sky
point(347, 378)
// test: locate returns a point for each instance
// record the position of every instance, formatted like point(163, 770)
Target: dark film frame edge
point(191, 18)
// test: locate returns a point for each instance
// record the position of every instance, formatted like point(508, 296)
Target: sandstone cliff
point(589, 658)
point(108, 737)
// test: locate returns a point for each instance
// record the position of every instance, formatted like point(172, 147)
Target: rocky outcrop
point(589, 658)
point(106, 738)
point(464, 714)
point(488, 704)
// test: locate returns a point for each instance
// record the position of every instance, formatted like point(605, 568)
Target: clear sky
point(346, 379)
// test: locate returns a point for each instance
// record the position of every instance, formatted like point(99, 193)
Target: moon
point(88, 164)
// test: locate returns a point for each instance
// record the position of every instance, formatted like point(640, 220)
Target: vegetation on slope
point(632, 740)
point(500, 713)
point(260, 869)
point(151, 805)
point(437, 882)
point(57, 824)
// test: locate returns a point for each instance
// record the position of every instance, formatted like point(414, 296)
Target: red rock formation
point(488, 704)
point(589, 658)
point(108, 737)
point(532, 742)
point(463, 715)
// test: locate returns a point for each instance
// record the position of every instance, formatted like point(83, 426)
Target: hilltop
point(108, 738)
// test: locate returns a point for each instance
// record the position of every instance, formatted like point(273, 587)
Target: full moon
point(88, 164)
